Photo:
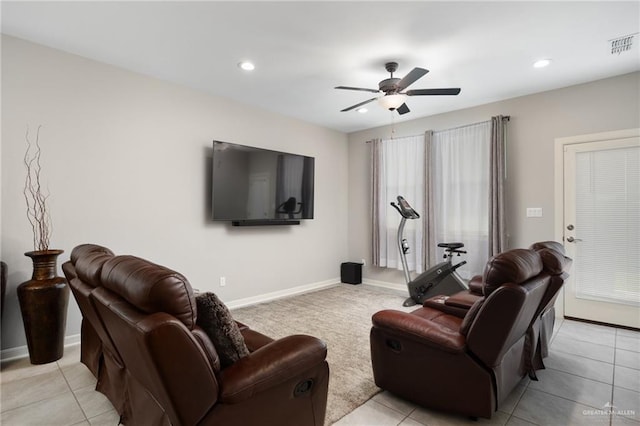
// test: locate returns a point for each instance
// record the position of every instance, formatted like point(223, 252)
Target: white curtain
point(461, 191)
point(401, 172)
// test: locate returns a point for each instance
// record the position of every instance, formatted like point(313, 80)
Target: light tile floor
point(55, 394)
point(591, 370)
point(592, 378)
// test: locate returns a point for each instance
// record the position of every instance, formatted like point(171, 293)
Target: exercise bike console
point(405, 210)
point(440, 279)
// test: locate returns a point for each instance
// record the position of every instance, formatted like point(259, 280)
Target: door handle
point(571, 239)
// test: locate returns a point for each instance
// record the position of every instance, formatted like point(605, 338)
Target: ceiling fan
point(393, 89)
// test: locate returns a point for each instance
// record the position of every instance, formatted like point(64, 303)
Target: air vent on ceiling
point(622, 44)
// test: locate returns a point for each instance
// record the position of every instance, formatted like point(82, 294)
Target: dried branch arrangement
point(36, 198)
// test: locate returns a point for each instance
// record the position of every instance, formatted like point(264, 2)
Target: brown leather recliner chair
point(173, 372)
point(97, 350)
point(467, 363)
point(557, 265)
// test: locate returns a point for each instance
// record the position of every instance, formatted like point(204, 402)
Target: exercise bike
point(439, 279)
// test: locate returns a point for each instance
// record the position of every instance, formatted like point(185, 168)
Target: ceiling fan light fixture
point(395, 90)
point(392, 102)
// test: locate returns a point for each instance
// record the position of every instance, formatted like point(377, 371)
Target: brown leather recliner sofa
point(170, 369)
point(463, 360)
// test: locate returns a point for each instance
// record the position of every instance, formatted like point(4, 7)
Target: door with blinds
point(602, 230)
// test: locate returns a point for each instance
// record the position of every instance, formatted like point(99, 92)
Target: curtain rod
point(504, 118)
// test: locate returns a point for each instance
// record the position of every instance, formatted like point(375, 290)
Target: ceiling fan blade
point(403, 109)
point(358, 105)
point(357, 88)
point(411, 78)
point(433, 92)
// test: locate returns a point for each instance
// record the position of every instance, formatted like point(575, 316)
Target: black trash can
point(351, 273)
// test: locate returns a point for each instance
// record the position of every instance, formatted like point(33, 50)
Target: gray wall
point(127, 160)
point(536, 120)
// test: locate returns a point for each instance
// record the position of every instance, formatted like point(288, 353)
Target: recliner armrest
point(475, 285)
point(440, 303)
point(463, 300)
point(421, 330)
point(271, 365)
point(254, 340)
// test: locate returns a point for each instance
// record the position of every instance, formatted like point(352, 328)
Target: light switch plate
point(534, 211)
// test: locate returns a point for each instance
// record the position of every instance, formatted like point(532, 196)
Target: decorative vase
point(43, 303)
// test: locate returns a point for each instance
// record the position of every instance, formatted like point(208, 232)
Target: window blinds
point(608, 216)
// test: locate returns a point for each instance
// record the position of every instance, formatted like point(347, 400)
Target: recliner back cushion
point(514, 266)
point(471, 316)
point(151, 288)
point(553, 245)
point(84, 249)
point(507, 312)
point(163, 359)
point(554, 262)
point(89, 267)
point(87, 260)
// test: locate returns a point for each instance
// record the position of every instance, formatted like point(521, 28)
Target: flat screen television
point(256, 186)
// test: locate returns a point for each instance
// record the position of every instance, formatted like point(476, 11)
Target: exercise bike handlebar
point(456, 266)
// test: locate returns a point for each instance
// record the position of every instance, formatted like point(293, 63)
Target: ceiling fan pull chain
point(393, 125)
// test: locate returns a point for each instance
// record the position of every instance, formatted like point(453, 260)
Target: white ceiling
point(303, 49)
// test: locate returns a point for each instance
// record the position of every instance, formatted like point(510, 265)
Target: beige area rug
point(341, 316)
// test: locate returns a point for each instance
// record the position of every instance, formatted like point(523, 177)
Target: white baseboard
point(384, 284)
point(248, 301)
point(23, 351)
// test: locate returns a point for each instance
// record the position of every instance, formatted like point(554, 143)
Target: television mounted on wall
point(256, 186)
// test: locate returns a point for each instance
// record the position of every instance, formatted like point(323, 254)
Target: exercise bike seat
point(451, 246)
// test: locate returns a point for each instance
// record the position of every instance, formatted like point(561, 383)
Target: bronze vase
point(43, 303)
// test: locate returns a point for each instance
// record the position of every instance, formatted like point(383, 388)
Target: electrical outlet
point(223, 281)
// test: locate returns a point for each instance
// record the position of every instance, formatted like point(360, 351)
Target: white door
point(601, 230)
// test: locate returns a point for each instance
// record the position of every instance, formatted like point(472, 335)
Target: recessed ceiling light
point(247, 66)
point(362, 110)
point(541, 63)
